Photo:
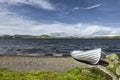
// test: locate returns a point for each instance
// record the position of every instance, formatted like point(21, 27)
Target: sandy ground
point(59, 64)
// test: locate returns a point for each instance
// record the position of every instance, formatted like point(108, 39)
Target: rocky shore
point(31, 64)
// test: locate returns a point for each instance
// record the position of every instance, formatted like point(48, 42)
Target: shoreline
point(37, 55)
point(38, 63)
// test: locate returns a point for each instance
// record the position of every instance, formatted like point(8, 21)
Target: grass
point(73, 74)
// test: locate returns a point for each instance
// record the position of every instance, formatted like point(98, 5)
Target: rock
point(112, 56)
point(105, 70)
point(85, 71)
point(116, 62)
point(118, 70)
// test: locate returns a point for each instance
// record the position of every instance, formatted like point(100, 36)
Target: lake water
point(39, 47)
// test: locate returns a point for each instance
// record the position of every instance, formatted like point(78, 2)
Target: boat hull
point(90, 56)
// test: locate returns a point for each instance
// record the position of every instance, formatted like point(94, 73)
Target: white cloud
point(12, 24)
point(16, 25)
point(44, 4)
point(76, 8)
point(92, 7)
point(75, 29)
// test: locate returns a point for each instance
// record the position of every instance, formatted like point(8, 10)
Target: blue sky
point(60, 17)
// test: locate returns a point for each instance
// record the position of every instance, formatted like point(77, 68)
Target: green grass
point(73, 74)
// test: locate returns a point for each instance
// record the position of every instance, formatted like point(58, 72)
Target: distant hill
point(56, 37)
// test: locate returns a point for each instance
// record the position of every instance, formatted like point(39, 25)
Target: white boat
point(90, 56)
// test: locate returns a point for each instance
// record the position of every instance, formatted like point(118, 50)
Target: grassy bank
point(73, 74)
point(55, 68)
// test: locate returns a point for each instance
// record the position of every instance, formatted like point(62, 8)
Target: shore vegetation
point(73, 74)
